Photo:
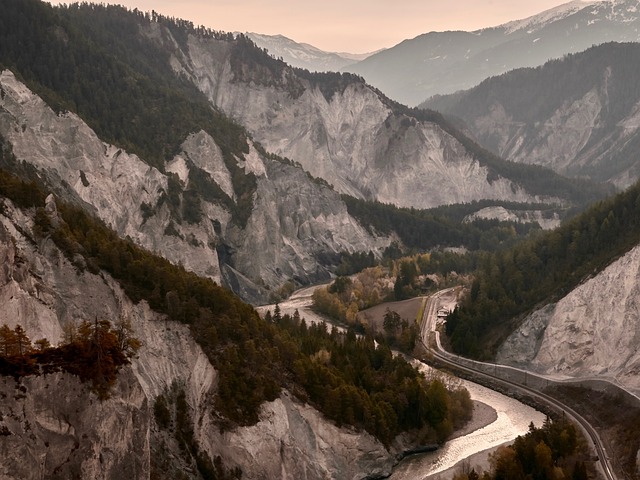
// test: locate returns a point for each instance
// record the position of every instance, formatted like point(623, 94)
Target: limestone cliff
point(579, 116)
point(297, 225)
point(591, 332)
point(53, 426)
point(350, 136)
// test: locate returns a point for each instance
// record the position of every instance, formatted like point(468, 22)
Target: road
point(431, 340)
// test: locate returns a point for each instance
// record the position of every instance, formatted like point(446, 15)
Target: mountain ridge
point(577, 115)
point(444, 62)
point(304, 55)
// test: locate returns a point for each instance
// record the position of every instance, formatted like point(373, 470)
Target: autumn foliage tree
point(94, 351)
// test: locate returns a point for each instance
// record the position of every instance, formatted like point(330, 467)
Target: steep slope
point(53, 426)
point(303, 55)
point(564, 302)
point(578, 115)
point(334, 125)
point(444, 62)
point(340, 129)
point(591, 332)
point(150, 207)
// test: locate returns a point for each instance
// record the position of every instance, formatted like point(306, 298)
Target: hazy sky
point(355, 26)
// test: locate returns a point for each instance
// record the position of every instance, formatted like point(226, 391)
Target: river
point(511, 418)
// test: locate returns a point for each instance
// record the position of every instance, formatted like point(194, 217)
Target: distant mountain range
point(303, 55)
point(444, 62)
point(578, 115)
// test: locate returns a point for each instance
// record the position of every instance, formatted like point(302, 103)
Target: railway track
point(479, 373)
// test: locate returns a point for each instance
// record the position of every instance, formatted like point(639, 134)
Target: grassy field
point(407, 309)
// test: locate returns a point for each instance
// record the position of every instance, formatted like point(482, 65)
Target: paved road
point(431, 341)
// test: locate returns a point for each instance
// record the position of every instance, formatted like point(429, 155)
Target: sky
point(353, 26)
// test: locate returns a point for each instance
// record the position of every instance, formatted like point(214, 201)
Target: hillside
point(562, 302)
point(577, 116)
point(114, 109)
point(156, 162)
point(344, 131)
point(211, 380)
point(445, 62)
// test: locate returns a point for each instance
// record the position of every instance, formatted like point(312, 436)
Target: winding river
point(511, 417)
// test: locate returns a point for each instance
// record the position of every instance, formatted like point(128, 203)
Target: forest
point(551, 452)
point(348, 378)
point(542, 269)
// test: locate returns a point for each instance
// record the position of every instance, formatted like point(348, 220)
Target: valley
point(177, 189)
point(505, 419)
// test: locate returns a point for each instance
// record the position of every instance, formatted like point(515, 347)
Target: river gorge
point(497, 418)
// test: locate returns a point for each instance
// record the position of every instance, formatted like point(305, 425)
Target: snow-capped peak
point(538, 21)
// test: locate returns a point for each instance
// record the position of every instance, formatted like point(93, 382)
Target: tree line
point(551, 452)
point(355, 381)
point(436, 228)
point(542, 269)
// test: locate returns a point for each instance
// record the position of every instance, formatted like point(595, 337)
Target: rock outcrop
point(53, 426)
point(297, 225)
point(588, 127)
point(350, 137)
point(592, 332)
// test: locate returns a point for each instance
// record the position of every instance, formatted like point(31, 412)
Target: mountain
point(577, 115)
point(167, 414)
point(564, 302)
point(183, 180)
point(342, 130)
point(303, 55)
point(145, 131)
point(445, 62)
point(160, 211)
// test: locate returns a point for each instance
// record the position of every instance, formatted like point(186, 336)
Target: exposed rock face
point(546, 222)
point(588, 126)
point(592, 332)
point(351, 139)
point(569, 141)
point(295, 224)
point(108, 179)
point(293, 441)
point(52, 426)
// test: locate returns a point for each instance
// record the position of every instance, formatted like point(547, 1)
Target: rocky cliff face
point(570, 140)
point(294, 225)
point(439, 63)
point(52, 426)
point(585, 122)
point(547, 221)
point(351, 138)
point(592, 332)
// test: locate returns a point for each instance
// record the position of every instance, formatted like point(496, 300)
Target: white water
point(513, 419)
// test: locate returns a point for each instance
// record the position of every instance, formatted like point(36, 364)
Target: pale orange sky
point(354, 26)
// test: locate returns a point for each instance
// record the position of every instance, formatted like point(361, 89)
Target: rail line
point(478, 371)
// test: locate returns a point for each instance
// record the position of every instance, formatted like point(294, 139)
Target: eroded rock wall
point(53, 426)
point(592, 332)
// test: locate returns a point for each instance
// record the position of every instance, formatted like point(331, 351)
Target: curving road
point(430, 336)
